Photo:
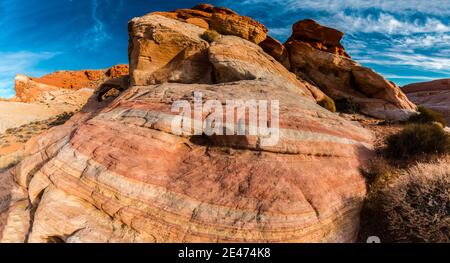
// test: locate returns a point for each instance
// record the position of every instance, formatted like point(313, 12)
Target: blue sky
point(405, 40)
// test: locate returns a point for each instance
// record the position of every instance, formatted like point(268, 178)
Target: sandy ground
point(15, 114)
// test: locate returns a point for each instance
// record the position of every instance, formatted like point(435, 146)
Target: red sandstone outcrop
point(64, 87)
point(117, 172)
point(277, 50)
point(340, 77)
point(318, 36)
point(166, 50)
point(222, 20)
point(434, 95)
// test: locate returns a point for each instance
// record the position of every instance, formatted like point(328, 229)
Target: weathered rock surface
point(44, 102)
point(220, 19)
point(124, 165)
point(236, 59)
point(180, 55)
point(277, 50)
point(163, 49)
point(318, 36)
point(241, 26)
point(340, 77)
point(434, 95)
point(29, 90)
point(64, 87)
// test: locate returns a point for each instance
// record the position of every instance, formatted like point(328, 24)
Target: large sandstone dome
point(116, 172)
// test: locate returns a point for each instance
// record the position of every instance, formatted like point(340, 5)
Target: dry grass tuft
point(210, 36)
point(411, 205)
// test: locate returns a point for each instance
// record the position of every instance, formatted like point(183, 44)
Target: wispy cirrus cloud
point(437, 41)
point(24, 62)
point(388, 24)
point(97, 34)
point(434, 7)
point(438, 64)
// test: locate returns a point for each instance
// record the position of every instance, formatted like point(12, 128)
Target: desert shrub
point(378, 172)
point(210, 36)
point(11, 131)
point(417, 139)
point(427, 116)
point(61, 119)
point(328, 103)
point(347, 105)
point(412, 206)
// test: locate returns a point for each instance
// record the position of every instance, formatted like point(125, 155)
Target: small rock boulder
point(240, 26)
point(163, 49)
point(274, 48)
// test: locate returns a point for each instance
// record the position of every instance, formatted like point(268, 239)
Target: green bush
point(328, 103)
point(210, 36)
point(418, 139)
point(427, 116)
point(347, 105)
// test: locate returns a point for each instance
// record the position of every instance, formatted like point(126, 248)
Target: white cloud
point(441, 41)
point(406, 59)
point(434, 7)
point(97, 34)
point(22, 62)
point(386, 24)
point(390, 76)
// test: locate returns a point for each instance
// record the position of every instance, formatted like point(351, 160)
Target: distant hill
point(433, 94)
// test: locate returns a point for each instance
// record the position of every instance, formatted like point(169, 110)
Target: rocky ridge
point(434, 95)
point(64, 87)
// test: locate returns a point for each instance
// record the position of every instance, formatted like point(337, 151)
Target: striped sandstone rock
point(124, 167)
point(117, 171)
